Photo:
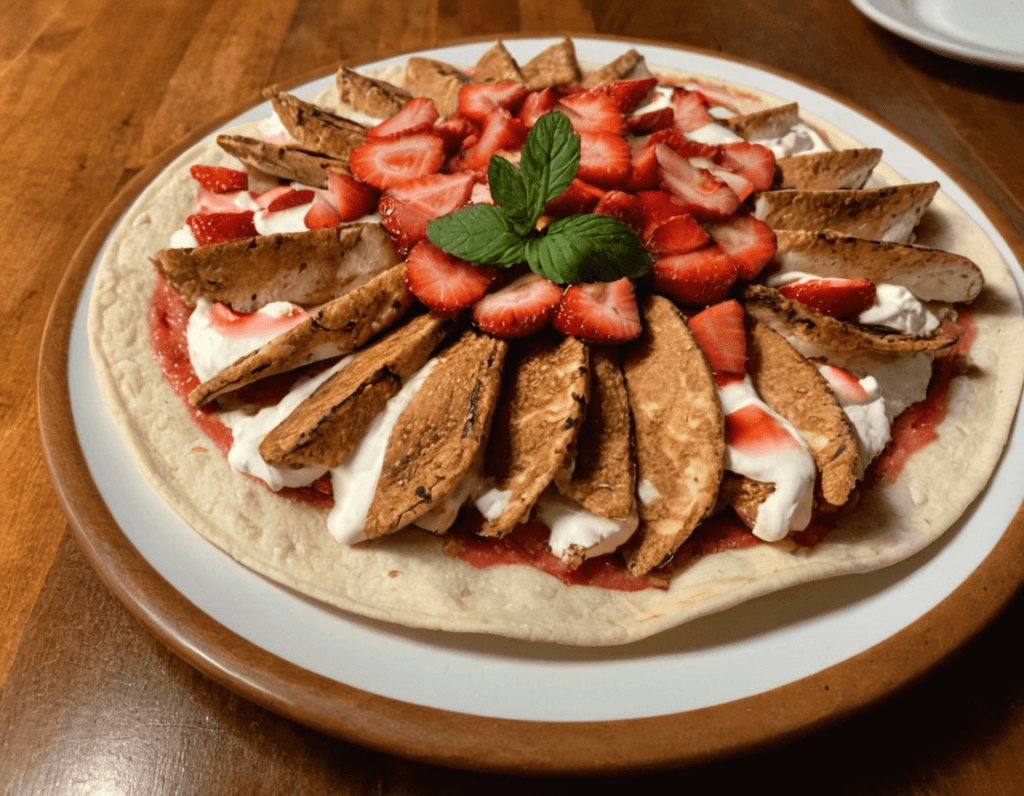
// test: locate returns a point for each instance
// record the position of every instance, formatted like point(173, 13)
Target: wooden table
point(92, 92)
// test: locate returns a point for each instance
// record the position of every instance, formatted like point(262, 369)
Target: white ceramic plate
point(745, 651)
point(981, 31)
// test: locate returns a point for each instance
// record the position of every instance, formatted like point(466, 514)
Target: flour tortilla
point(406, 579)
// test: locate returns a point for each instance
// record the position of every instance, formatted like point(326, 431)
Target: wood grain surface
point(93, 91)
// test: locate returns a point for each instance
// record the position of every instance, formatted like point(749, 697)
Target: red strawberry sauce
point(527, 544)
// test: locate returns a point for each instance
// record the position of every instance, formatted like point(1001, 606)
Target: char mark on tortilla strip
point(338, 327)
point(317, 129)
point(818, 334)
point(543, 403)
point(603, 479)
point(793, 387)
point(284, 161)
point(496, 66)
point(439, 438)
point(306, 268)
point(377, 98)
point(326, 428)
point(555, 66)
point(440, 82)
point(769, 123)
point(930, 274)
point(679, 434)
point(840, 169)
point(630, 64)
point(889, 213)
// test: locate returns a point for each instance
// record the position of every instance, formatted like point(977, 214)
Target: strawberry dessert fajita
point(553, 352)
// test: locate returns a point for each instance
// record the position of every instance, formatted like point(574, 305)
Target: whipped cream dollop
point(574, 530)
point(863, 404)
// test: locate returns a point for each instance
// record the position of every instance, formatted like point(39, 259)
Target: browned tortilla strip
point(744, 495)
point(326, 428)
point(793, 387)
point(769, 123)
point(284, 161)
point(306, 268)
point(369, 95)
point(497, 65)
point(440, 82)
point(889, 213)
point(439, 438)
point(795, 320)
point(627, 65)
point(679, 431)
point(315, 128)
point(604, 478)
point(930, 274)
point(841, 169)
point(338, 327)
point(542, 406)
point(555, 66)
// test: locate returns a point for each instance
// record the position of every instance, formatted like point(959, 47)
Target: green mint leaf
point(587, 248)
point(478, 233)
point(508, 189)
point(549, 161)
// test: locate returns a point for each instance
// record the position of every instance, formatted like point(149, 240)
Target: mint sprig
point(583, 248)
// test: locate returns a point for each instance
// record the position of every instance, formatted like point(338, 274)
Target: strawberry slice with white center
point(500, 132)
point(536, 104)
point(477, 100)
point(844, 384)
point(697, 279)
point(522, 307)
point(605, 159)
point(352, 198)
point(384, 162)
point(592, 111)
point(691, 110)
point(219, 179)
point(651, 121)
point(443, 282)
point(629, 94)
point(599, 312)
point(681, 234)
point(754, 162)
point(579, 197)
point(706, 197)
point(406, 208)
point(418, 115)
point(321, 214)
point(455, 131)
point(721, 335)
point(753, 431)
point(213, 202)
point(208, 228)
point(749, 241)
point(840, 298)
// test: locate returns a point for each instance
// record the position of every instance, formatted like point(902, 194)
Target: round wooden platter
point(463, 739)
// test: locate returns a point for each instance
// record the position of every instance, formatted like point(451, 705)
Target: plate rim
point(485, 743)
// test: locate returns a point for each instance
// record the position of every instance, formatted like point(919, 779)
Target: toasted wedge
point(794, 388)
point(769, 123)
point(326, 428)
point(930, 274)
point(497, 65)
point(628, 65)
point(317, 129)
point(440, 437)
point(535, 427)
point(555, 66)
point(841, 169)
point(744, 495)
point(306, 268)
point(680, 434)
point(376, 98)
point(338, 327)
point(440, 82)
point(888, 214)
point(283, 161)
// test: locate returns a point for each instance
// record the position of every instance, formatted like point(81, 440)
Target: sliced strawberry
point(445, 283)
point(321, 214)
point(536, 104)
point(678, 235)
point(265, 199)
point(477, 100)
point(644, 174)
point(844, 383)
point(406, 226)
point(699, 278)
point(753, 431)
point(523, 307)
point(455, 131)
point(651, 122)
point(210, 228)
point(592, 111)
point(749, 241)
point(691, 110)
point(501, 132)
point(754, 162)
point(579, 197)
point(629, 94)
point(841, 298)
point(626, 207)
point(406, 208)
point(605, 159)
point(383, 162)
point(739, 184)
point(707, 198)
point(220, 179)
point(211, 202)
point(599, 312)
point(720, 333)
point(418, 115)
point(682, 145)
point(659, 207)
point(352, 198)
point(289, 199)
